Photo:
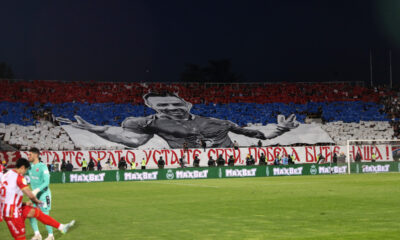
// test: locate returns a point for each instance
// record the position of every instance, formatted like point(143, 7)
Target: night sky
point(152, 40)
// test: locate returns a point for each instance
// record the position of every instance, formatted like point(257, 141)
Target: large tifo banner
point(305, 154)
point(220, 172)
point(173, 124)
point(303, 134)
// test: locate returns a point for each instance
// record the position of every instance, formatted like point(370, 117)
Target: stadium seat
point(348, 111)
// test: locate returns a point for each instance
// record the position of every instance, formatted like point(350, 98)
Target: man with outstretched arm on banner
point(175, 123)
point(13, 186)
point(40, 180)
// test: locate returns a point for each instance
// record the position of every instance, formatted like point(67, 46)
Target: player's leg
point(46, 199)
point(34, 225)
point(16, 227)
point(49, 228)
point(46, 219)
point(35, 229)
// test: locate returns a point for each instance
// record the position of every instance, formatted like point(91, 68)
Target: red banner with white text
point(305, 154)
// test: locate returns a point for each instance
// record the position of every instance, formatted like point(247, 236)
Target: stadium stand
point(42, 135)
point(374, 130)
point(348, 111)
point(95, 92)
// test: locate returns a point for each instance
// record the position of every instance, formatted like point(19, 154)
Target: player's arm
point(132, 133)
point(30, 195)
point(284, 125)
point(246, 132)
point(30, 204)
point(276, 132)
point(23, 185)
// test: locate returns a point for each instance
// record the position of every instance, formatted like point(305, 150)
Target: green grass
point(364, 206)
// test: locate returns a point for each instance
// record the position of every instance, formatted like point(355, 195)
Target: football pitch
point(357, 206)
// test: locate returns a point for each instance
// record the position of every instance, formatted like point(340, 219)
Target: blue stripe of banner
point(240, 113)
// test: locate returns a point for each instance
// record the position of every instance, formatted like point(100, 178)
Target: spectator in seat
point(133, 165)
point(373, 157)
point(358, 157)
point(63, 166)
point(220, 161)
point(108, 164)
point(99, 167)
point(122, 164)
point(277, 160)
point(235, 145)
point(84, 165)
point(320, 158)
point(259, 143)
point(291, 159)
point(143, 164)
point(262, 159)
point(252, 160)
point(185, 146)
point(231, 161)
point(54, 166)
point(161, 163)
point(334, 158)
point(285, 160)
point(248, 161)
point(211, 162)
point(91, 165)
point(196, 161)
point(203, 145)
point(342, 158)
point(69, 167)
point(182, 161)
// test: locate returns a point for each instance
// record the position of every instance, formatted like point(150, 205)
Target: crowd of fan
point(283, 159)
point(40, 95)
point(391, 102)
point(196, 93)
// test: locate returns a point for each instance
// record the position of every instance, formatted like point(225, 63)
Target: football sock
point(48, 228)
point(34, 225)
point(46, 219)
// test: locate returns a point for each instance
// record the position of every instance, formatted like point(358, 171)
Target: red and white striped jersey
point(1, 171)
point(1, 175)
point(11, 194)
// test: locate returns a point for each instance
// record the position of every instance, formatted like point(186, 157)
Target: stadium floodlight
point(384, 149)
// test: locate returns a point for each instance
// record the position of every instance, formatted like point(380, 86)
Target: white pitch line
point(181, 184)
